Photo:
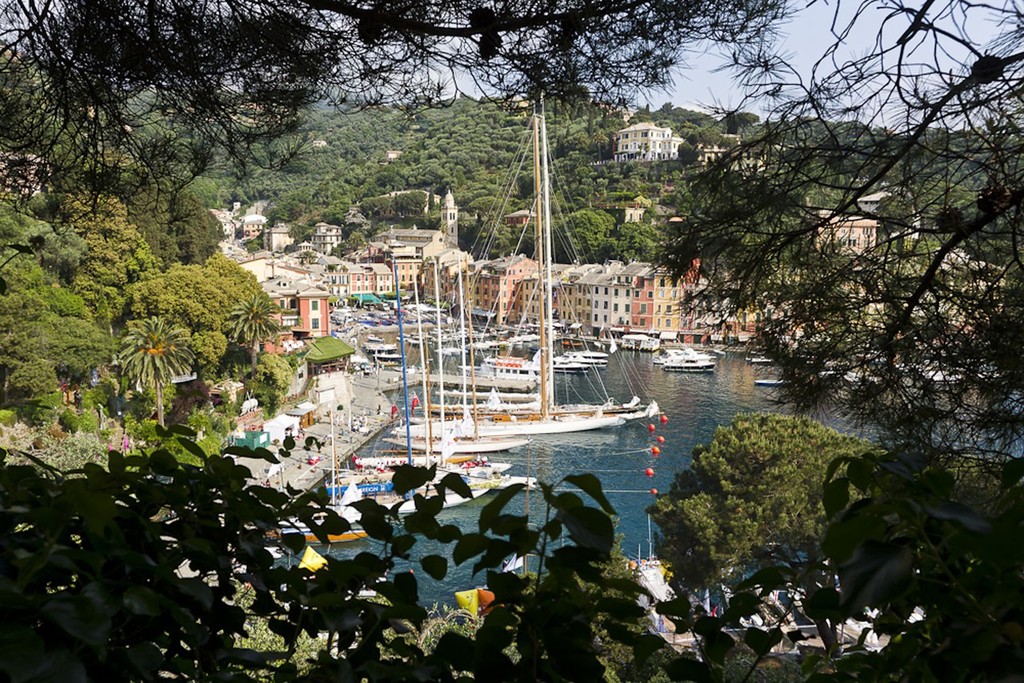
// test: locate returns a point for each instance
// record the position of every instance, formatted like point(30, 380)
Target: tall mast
point(462, 332)
point(472, 359)
point(424, 372)
point(334, 461)
point(549, 256)
point(401, 346)
point(539, 239)
point(440, 345)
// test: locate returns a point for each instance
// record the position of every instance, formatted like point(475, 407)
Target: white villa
point(646, 142)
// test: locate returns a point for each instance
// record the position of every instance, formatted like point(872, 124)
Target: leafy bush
point(88, 422)
point(68, 420)
point(126, 615)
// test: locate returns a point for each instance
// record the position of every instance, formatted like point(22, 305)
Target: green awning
point(328, 349)
point(367, 298)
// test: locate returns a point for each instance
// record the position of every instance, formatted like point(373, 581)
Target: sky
point(803, 40)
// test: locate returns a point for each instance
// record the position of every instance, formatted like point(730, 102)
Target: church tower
point(450, 219)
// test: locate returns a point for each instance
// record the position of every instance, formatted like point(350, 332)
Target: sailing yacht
point(550, 418)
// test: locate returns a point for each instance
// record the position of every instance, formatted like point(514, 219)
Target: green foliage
point(131, 613)
point(271, 382)
point(751, 497)
point(592, 230)
point(33, 377)
point(8, 418)
point(66, 452)
point(68, 420)
point(295, 655)
point(943, 576)
point(175, 224)
point(153, 352)
point(253, 321)
point(637, 241)
point(47, 333)
point(209, 347)
point(116, 255)
point(468, 148)
point(198, 298)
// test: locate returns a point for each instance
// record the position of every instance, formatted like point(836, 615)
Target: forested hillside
point(473, 149)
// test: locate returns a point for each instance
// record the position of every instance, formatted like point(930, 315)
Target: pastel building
point(646, 141)
point(494, 284)
point(642, 304)
point(304, 308)
point(849, 234)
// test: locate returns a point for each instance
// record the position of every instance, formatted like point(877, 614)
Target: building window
point(316, 323)
point(314, 305)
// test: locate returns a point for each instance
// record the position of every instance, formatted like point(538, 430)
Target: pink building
point(642, 306)
point(495, 282)
point(304, 310)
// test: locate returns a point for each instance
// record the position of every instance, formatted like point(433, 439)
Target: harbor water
point(695, 405)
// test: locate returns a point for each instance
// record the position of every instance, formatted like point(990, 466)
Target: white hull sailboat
point(461, 445)
point(478, 487)
point(563, 420)
point(550, 418)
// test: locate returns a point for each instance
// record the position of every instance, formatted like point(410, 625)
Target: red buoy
point(654, 492)
point(655, 450)
point(664, 419)
point(649, 472)
point(661, 439)
point(651, 428)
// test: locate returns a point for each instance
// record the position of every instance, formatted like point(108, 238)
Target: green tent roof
point(367, 298)
point(327, 349)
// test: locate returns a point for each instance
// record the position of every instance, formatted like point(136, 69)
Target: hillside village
point(309, 278)
point(604, 299)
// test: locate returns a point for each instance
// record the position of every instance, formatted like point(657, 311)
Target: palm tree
point(252, 321)
point(152, 352)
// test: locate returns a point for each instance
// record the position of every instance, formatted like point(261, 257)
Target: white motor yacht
point(592, 358)
point(687, 360)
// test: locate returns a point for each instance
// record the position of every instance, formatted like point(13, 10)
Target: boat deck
point(483, 384)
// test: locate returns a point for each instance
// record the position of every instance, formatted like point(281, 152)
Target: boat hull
point(463, 446)
point(674, 367)
point(511, 424)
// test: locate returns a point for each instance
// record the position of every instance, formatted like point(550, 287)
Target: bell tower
point(450, 220)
